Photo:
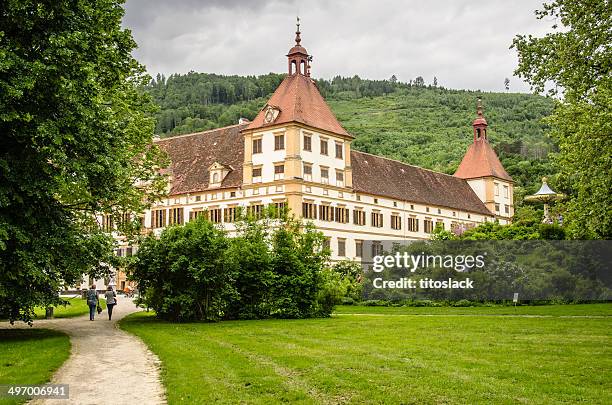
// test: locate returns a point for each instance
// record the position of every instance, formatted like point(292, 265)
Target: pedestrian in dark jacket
point(92, 301)
point(111, 301)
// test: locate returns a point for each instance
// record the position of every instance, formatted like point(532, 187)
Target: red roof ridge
point(403, 163)
point(199, 133)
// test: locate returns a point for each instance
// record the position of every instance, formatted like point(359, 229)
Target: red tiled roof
point(191, 156)
point(299, 100)
point(481, 160)
point(385, 177)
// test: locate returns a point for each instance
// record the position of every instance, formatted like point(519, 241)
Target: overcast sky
point(464, 43)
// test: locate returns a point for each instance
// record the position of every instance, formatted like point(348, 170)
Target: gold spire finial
point(479, 108)
point(297, 32)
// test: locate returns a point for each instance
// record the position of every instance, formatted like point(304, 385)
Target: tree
point(76, 139)
point(575, 58)
point(507, 84)
point(393, 79)
point(435, 81)
point(185, 274)
point(419, 81)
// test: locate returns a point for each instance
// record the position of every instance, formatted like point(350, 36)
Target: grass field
point(30, 356)
point(391, 357)
point(78, 306)
point(541, 310)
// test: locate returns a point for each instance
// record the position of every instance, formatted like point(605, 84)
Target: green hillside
point(421, 125)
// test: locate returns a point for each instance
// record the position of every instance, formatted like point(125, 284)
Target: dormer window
point(217, 172)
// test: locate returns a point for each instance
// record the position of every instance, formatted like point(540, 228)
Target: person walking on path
point(92, 301)
point(111, 301)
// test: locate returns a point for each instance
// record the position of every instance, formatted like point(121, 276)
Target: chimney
point(243, 120)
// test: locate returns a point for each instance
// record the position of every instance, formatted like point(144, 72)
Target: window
point(307, 172)
point(198, 198)
point(341, 247)
point(308, 143)
point(428, 225)
point(426, 209)
point(279, 142)
point(358, 197)
point(340, 178)
point(232, 194)
point(454, 214)
point(255, 210)
point(324, 147)
point(214, 215)
point(176, 216)
point(496, 188)
point(257, 175)
point(439, 211)
point(342, 215)
point(158, 218)
point(377, 219)
point(195, 214)
point(107, 223)
point(506, 191)
point(506, 208)
point(279, 171)
point(257, 146)
point(396, 221)
point(412, 207)
point(358, 248)
point(377, 248)
point(440, 224)
point(327, 243)
point(413, 224)
point(339, 148)
point(324, 175)
point(229, 214)
point(359, 217)
point(376, 201)
point(326, 213)
point(496, 207)
point(279, 209)
point(309, 210)
point(215, 178)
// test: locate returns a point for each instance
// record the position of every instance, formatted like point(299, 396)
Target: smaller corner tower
point(485, 174)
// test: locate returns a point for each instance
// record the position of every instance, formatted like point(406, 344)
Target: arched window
point(215, 177)
point(303, 67)
point(293, 67)
point(477, 133)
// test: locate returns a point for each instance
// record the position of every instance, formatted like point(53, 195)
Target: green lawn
point(536, 310)
point(388, 358)
point(77, 306)
point(30, 356)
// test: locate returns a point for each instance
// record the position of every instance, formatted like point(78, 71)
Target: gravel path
point(106, 365)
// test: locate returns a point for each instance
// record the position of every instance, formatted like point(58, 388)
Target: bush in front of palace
point(271, 268)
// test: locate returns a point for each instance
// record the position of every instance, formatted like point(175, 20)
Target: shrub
point(275, 267)
point(184, 275)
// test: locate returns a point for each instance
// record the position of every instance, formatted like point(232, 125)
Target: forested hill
point(413, 122)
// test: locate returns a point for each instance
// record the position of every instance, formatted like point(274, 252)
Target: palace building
point(296, 154)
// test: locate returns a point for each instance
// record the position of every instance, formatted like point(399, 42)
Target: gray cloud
point(464, 43)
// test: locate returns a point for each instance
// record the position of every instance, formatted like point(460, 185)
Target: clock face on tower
point(270, 114)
